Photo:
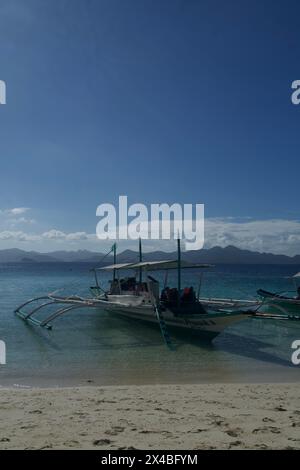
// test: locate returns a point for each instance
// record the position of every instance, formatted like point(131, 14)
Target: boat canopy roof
point(111, 267)
point(155, 265)
point(169, 264)
point(297, 275)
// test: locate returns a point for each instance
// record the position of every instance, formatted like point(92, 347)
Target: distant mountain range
point(216, 255)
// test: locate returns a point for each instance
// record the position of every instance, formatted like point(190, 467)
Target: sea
point(91, 347)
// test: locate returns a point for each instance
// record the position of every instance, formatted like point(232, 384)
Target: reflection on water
point(90, 346)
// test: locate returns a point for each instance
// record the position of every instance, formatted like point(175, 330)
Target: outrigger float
point(139, 297)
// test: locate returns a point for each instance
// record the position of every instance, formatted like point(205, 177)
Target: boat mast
point(140, 259)
point(115, 259)
point(178, 269)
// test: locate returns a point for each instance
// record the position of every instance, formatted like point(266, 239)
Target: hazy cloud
point(18, 236)
point(274, 236)
point(58, 235)
point(54, 235)
point(16, 211)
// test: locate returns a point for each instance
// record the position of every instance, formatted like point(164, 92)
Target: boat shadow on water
point(251, 348)
point(260, 349)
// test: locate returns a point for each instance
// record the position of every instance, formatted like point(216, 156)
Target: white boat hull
point(211, 324)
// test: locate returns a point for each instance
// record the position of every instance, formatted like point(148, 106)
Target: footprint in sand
point(127, 448)
point(261, 446)
point(98, 402)
point(233, 432)
point(101, 442)
point(266, 429)
point(114, 431)
point(268, 420)
point(196, 431)
point(234, 444)
point(280, 408)
point(71, 443)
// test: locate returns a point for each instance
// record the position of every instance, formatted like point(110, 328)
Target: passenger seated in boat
point(165, 294)
point(169, 296)
point(188, 295)
point(142, 287)
point(145, 286)
point(173, 296)
point(298, 293)
point(131, 283)
point(128, 284)
point(114, 287)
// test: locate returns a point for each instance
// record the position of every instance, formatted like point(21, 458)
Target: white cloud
point(58, 235)
point(54, 235)
point(10, 219)
point(277, 236)
point(77, 236)
point(274, 236)
point(16, 211)
point(18, 236)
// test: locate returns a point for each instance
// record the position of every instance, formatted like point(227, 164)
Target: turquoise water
point(88, 346)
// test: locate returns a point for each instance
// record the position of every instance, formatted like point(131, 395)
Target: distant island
point(215, 255)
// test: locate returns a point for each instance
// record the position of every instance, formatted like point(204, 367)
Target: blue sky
point(165, 101)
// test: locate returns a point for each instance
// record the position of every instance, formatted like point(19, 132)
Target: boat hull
point(209, 325)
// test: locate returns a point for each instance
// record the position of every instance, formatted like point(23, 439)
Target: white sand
point(152, 417)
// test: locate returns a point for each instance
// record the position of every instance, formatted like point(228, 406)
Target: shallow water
point(88, 346)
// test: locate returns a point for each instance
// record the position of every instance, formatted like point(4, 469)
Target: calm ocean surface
point(90, 347)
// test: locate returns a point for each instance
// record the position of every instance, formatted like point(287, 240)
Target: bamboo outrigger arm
point(65, 304)
point(44, 297)
point(58, 313)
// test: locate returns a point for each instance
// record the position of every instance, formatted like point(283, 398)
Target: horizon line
point(153, 251)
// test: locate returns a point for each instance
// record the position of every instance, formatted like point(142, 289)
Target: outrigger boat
point(143, 301)
point(282, 303)
point(138, 297)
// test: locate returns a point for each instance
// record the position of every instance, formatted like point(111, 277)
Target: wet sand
point(217, 416)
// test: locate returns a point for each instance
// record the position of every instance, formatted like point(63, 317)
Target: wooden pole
point(140, 259)
point(178, 269)
point(115, 258)
point(199, 287)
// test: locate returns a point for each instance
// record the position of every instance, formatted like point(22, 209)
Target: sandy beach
point(227, 416)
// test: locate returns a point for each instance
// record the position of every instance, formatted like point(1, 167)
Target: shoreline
point(91, 384)
point(263, 375)
point(198, 416)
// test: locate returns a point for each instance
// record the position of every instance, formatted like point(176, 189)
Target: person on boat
point(131, 283)
point(188, 295)
point(114, 287)
point(128, 284)
point(298, 293)
point(165, 294)
point(173, 295)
